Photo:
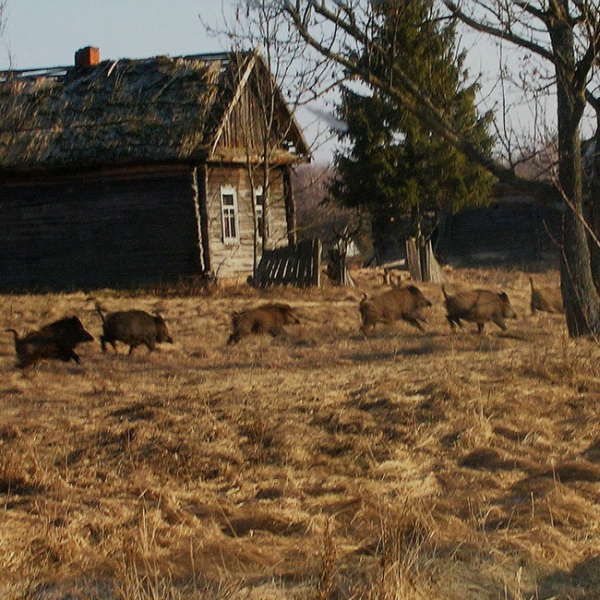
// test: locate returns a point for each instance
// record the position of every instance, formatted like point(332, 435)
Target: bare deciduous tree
point(563, 34)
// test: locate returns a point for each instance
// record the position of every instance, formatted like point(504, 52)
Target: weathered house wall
point(230, 259)
point(110, 228)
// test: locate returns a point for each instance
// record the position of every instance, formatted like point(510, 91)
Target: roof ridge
point(60, 70)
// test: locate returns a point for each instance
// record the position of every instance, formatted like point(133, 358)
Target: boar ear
point(503, 296)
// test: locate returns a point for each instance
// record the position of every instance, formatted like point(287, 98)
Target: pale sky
point(46, 33)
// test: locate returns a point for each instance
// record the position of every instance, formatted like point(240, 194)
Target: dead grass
point(319, 464)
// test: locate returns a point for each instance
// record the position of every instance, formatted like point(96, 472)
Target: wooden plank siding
point(232, 260)
point(241, 137)
point(98, 230)
point(241, 131)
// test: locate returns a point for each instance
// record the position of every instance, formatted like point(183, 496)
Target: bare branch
point(504, 33)
point(404, 91)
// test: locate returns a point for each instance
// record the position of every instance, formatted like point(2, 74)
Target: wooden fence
point(298, 265)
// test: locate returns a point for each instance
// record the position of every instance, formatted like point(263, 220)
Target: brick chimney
point(87, 57)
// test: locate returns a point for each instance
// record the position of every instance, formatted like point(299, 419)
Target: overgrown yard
point(318, 464)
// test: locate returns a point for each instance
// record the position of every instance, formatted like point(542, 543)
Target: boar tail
point(363, 299)
point(99, 310)
point(13, 332)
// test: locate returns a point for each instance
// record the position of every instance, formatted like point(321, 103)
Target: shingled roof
point(155, 110)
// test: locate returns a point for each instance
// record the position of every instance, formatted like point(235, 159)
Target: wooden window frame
point(230, 216)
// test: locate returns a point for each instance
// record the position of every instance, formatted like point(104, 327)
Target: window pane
point(231, 221)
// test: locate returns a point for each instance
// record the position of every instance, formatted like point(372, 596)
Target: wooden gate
point(299, 265)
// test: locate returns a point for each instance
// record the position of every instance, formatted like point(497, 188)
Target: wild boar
point(69, 330)
point(267, 318)
point(478, 306)
point(400, 303)
point(133, 327)
point(56, 340)
point(548, 299)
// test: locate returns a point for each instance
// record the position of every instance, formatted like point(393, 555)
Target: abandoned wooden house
point(133, 172)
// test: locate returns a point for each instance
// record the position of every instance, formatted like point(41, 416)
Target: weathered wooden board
point(422, 264)
point(299, 265)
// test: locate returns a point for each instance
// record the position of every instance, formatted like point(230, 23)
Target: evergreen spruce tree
point(390, 164)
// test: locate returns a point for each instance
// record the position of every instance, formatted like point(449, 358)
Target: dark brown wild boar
point(267, 318)
point(400, 303)
point(548, 299)
point(56, 340)
point(134, 328)
point(478, 306)
point(69, 330)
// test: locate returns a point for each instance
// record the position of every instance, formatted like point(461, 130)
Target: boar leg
point(150, 344)
point(104, 341)
point(415, 322)
point(68, 354)
point(454, 321)
point(366, 328)
point(499, 321)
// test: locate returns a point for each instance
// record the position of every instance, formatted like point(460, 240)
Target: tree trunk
point(290, 207)
point(582, 303)
point(577, 285)
point(594, 205)
point(578, 289)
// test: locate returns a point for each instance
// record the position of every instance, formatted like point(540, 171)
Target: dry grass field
point(315, 465)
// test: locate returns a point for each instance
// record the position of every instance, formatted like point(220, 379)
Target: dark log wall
point(511, 232)
point(98, 230)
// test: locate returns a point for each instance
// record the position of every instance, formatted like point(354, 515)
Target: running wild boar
point(400, 303)
point(56, 340)
point(478, 306)
point(548, 299)
point(267, 318)
point(134, 328)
